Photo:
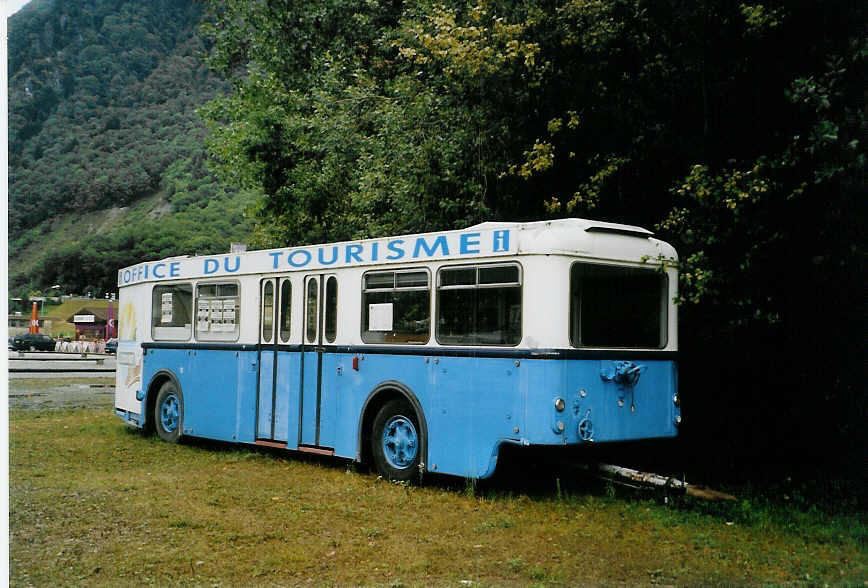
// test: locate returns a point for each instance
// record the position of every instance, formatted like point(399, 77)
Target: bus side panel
point(476, 404)
point(265, 416)
point(287, 398)
point(210, 394)
point(599, 409)
point(616, 411)
point(208, 384)
point(173, 361)
point(345, 390)
point(309, 395)
point(245, 410)
point(132, 329)
point(128, 377)
point(278, 407)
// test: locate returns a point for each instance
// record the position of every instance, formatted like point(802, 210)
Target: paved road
point(45, 364)
point(47, 381)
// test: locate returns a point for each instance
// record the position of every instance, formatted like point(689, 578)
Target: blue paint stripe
point(512, 353)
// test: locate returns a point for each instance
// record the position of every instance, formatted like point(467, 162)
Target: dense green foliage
point(735, 129)
point(102, 103)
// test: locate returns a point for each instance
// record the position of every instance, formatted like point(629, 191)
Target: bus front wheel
point(396, 441)
point(169, 412)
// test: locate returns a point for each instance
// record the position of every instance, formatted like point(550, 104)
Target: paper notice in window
point(380, 317)
point(217, 316)
point(166, 308)
point(229, 315)
point(203, 315)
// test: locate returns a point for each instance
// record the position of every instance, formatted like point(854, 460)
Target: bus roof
point(573, 236)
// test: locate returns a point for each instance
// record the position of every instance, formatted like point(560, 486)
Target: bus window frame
point(663, 336)
point(190, 333)
point(263, 284)
point(477, 286)
point(329, 310)
point(238, 299)
point(429, 287)
point(284, 312)
point(314, 306)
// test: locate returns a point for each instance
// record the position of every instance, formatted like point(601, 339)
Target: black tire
point(169, 413)
point(397, 442)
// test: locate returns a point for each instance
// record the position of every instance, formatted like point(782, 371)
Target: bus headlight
point(560, 404)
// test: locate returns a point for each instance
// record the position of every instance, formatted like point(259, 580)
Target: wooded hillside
point(102, 103)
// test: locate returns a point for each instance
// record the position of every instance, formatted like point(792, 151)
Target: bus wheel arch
point(393, 394)
point(158, 382)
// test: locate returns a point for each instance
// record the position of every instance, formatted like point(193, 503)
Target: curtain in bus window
point(171, 312)
point(614, 306)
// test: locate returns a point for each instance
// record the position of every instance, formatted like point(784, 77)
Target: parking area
point(60, 393)
point(48, 381)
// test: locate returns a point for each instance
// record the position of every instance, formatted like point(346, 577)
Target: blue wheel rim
point(169, 413)
point(400, 442)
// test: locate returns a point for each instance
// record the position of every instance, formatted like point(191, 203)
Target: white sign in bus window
point(217, 316)
point(203, 315)
point(166, 308)
point(380, 317)
point(229, 315)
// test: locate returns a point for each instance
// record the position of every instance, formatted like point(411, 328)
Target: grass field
point(94, 503)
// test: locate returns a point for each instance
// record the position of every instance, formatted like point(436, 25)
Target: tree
point(731, 127)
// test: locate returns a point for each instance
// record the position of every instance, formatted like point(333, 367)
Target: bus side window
point(285, 309)
point(267, 311)
point(479, 305)
point(217, 312)
point(396, 307)
point(172, 312)
point(312, 310)
point(331, 309)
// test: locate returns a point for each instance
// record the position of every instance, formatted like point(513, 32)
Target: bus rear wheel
point(169, 413)
point(396, 441)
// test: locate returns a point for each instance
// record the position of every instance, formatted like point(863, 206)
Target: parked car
point(11, 342)
point(31, 341)
point(111, 346)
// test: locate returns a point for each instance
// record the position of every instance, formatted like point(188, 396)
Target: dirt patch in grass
point(60, 393)
point(94, 503)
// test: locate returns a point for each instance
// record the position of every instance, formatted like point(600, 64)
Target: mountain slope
point(102, 102)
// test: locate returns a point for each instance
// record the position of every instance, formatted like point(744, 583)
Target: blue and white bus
point(414, 353)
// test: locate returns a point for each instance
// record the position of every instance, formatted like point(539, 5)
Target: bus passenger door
point(320, 300)
point(278, 365)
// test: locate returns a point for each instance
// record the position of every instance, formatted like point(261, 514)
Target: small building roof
point(100, 313)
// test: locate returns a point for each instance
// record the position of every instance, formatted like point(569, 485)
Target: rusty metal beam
point(628, 475)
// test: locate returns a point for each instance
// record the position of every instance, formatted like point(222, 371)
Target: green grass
point(94, 503)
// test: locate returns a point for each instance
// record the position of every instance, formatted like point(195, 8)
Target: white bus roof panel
point(574, 237)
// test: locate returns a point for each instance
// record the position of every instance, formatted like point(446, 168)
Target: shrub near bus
point(415, 353)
